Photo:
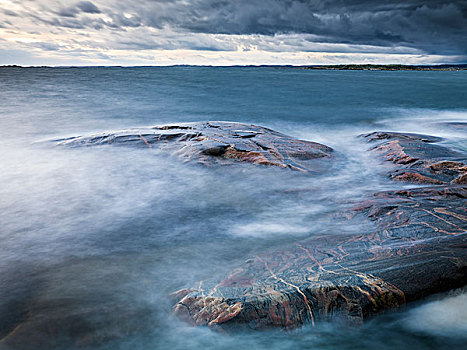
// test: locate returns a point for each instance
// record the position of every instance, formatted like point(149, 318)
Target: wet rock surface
point(418, 248)
point(216, 142)
point(419, 158)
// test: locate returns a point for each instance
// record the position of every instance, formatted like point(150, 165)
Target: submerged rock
point(216, 142)
point(419, 159)
point(417, 249)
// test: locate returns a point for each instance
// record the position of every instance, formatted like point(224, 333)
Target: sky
point(235, 32)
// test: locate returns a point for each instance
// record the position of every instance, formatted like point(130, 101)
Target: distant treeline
point(442, 67)
point(448, 67)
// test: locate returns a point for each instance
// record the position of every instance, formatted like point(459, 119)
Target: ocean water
point(93, 240)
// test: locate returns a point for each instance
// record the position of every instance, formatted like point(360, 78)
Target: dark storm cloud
point(83, 6)
point(88, 7)
point(432, 26)
point(70, 22)
point(176, 42)
point(427, 27)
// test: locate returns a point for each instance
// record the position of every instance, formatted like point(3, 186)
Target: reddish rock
point(418, 248)
point(419, 159)
point(216, 142)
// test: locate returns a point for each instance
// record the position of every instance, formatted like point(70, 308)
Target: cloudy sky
point(224, 32)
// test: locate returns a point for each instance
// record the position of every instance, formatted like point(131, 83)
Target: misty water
point(93, 240)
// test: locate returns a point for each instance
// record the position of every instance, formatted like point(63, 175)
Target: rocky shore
point(417, 249)
point(418, 246)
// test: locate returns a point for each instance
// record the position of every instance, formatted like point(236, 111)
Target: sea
point(93, 240)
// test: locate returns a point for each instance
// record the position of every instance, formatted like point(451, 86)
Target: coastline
point(390, 67)
point(370, 67)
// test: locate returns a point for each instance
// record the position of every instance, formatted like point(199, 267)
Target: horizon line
point(239, 65)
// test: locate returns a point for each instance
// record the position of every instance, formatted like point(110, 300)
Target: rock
point(216, 142)
point(419, 159)
point(418, 248)
point(381, 135)
point(460, 126)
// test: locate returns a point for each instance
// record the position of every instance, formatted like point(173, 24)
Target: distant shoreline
point(390, 67)
point(377, 67)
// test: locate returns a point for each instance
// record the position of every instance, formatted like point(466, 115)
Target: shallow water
point(94, 240)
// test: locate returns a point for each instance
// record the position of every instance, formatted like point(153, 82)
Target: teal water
point(94, 240)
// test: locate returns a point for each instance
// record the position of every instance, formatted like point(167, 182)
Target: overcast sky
point(224, 32)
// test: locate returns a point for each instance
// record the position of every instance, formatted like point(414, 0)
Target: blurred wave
point(94, 240)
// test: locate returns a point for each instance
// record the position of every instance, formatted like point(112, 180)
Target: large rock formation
point(419, 158)
point(36, 323)
point(418, 248)
point(216, 142)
